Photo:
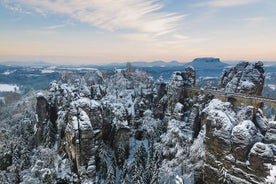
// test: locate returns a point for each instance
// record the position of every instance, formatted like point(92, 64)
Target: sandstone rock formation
point(234, 150)
point(127, 124)
point(270, 136)
point(245, 77)
point(238, 140)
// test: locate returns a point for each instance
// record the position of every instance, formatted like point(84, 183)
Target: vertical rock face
point(194, 120)
point(160, 100)
point(234, 150)
point(175, 92)
point(260, 155)
point(92, 119)
point(238, 142)
point(217, 117)
point(245, 78)
point(189, 76)
point(79, 138)
point(270, 136)
point(42, 116)
point(244, 135)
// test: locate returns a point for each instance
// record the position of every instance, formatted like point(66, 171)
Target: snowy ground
point(272, 86)
point(9, 88)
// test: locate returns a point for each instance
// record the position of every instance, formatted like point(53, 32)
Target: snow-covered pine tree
point(120, 154)
point(111, 174)
point(141, 156)
point(137, 174)
point(101, 165)
point(124, 175)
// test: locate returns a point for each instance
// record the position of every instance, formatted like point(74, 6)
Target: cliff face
point(127, 128)
point(237, 148)
point(89, 122)
point(244, 78)
point(235, 151)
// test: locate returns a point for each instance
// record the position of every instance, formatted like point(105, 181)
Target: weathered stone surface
point(261, 121)
point(194, 120)
point(88, 122)
point(42, 116)
point(219, 125)
point(244, 78)
point(79, 138)
point(189, 76)
point(244, 136)
point(245, 113)
point(230, 154)
point(270, 136)
point(258, 156)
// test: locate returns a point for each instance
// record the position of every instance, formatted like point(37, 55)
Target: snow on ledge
point(39, 95)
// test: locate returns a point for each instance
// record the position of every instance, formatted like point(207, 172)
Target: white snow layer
point(271, 179)
point(9, 88)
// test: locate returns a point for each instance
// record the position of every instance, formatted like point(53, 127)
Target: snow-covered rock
point(244, 135)
point(270, 136)
point(261, 121)
point(219, 120)
point(229, 152)
point(260, 155)
point(245, 78)
point(123, 128)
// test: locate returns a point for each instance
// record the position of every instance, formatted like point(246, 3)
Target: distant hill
point(26, 63)
point(156, 64)
point(207, 63)
point(207, 66)
point(198, 64)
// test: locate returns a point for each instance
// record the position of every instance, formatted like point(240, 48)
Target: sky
point(107, 31)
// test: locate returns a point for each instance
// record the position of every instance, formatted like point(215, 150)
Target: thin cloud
point(144, 16)
point(14, 7)
point(222, 3)
point(58, 26)
point(255, 19)
point(53, 27)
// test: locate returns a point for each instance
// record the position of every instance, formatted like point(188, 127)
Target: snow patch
point(9, 88)
point(8, 72)
point(271, 179)
point(39, 95)
point(272, 86)
point(47, 71)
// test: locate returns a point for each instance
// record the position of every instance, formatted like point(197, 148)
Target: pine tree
point(139, 164)
point(120, 154)
point(111, 174)
point(102, 156)
point(137, 174)
point(141, 156)
point(147, 175)
point(156, 162)
point(124, 174)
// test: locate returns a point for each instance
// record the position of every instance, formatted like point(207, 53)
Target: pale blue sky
point(101, 31)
